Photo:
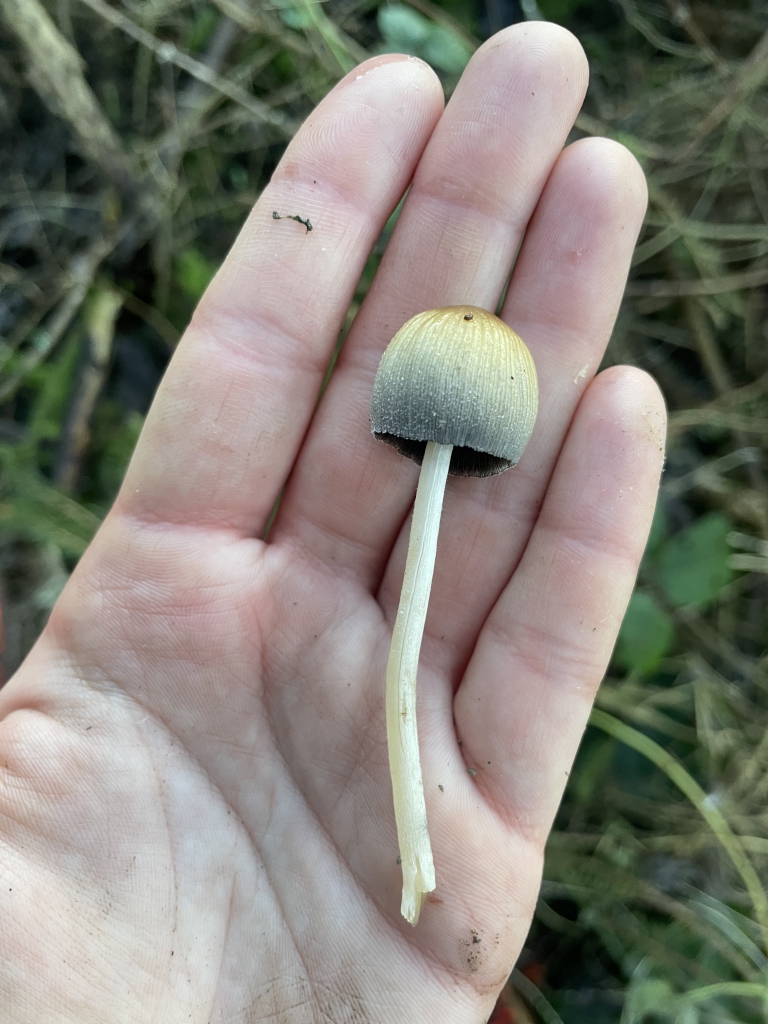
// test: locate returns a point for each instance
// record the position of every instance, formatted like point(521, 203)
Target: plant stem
point(402, 737)
point(703, 803)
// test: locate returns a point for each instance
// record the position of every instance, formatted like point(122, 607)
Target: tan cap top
point(459, 376)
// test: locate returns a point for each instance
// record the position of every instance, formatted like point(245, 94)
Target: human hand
point(196, 816)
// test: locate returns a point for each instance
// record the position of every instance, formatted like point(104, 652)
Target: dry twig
point(169, 53)
point(99, 329)
point(55, 70)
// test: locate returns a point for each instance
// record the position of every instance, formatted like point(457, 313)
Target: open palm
point(196, 816)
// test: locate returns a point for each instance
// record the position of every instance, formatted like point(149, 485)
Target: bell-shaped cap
point(459, 376)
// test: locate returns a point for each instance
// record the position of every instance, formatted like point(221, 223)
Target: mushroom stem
point(402, 737)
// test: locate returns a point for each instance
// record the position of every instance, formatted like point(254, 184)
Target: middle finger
point(472, 196)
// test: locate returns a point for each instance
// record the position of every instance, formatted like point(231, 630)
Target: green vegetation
point(119, 201)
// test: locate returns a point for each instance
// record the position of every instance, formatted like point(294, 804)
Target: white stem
point(402, 737)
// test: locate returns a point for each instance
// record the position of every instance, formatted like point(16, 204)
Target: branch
point(169, 53)
point(681, 15)
point(264, 22)
point(55, 71)
point(82, 270)
point(700, 286)
point(101, 314)
point(750, 76)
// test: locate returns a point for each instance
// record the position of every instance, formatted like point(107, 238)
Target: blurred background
point(136, 136)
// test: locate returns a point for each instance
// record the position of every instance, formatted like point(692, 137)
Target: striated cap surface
point(457, 375)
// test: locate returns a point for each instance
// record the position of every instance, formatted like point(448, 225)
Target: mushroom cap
point(457, 375)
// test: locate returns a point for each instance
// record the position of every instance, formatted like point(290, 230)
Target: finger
point(563, 299)
point(473, 194)
point(235, 403)
point(528, 690)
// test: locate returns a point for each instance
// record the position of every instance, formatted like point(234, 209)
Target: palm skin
point(195, 807)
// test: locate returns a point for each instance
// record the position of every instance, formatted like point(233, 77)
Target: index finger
point(235, 403)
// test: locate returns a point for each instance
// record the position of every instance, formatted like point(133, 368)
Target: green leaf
point(115, 436)
point(51, 383)
point(651, 996)
point(202, 28)
point(238, 175)
point(446, 50)
point(35, 509)
point(659, 530)
point(693, 565)
point(193, 272)
point(403, 28)
point(703, 803)
point(296, 17)
point(645, 636)
point(591, 766)
point(657, 537)
point(389, 227)
point(558, 10)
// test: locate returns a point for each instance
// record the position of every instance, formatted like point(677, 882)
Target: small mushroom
point(456, 391)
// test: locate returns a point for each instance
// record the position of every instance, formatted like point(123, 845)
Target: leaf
point(592, 764)
point(558, 10)
point(687, 1015)
point(118, 434)
point(651, 996)
point(193, 272)
point(645, 636)
point(238, 176)
point(693, 565)
point(202, 28)
point(35, 509)
point(446, 50)
point(403, 28)
point(51, 384)
point(659, 530)
point(296, 17)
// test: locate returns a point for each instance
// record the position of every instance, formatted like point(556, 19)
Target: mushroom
point(456, 391)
